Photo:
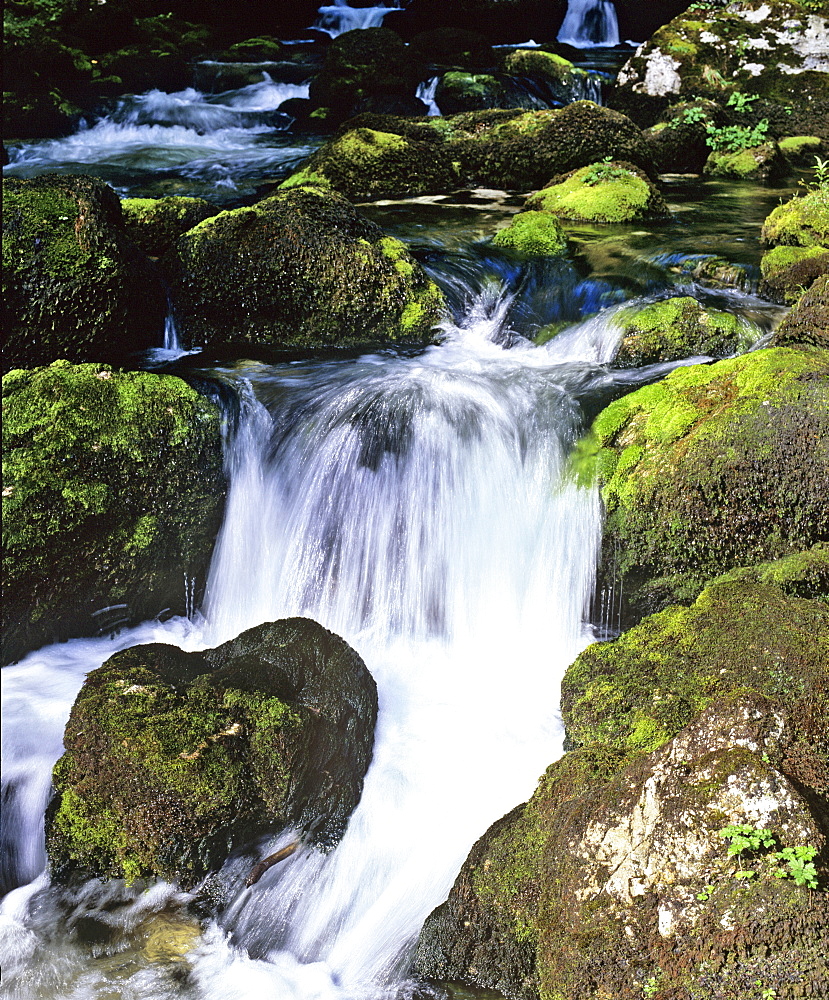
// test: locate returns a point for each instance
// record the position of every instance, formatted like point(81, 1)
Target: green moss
point(617, 193)
point(43, 218)
point(782, 257)
point(535, 62)
point(799, 146)
point(802, 574)
point(679, 328)
point(306, 178)
point(533, 234)
point(759, 162)
point(154, 224)
point(91, 458)
point(802, 221)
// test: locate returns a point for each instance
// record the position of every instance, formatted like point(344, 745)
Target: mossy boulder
point(458, 92)
point(537, 62)
point(113, 492)
point(802, 574)
point(533, 234)
point(679, 140)
point(610, 191)
point(807, 325)
point(732, 47)
point(759, 163)
point(301, 268)
point(362, 64)
point(264, 48)
point(788, 271)
point(366, 163)
point(714, 467)
point(73, 284)
point(173, 759)
point(615, 879)
point(801, 150)
point(505, 149)
point(680, 328)
point(154, 224)
point(800, 222)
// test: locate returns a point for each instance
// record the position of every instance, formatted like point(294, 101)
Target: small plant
point(690, 116)
point(705, 892)
point(741, 102)
point(745, 837)
point(799, 866)
point(733, 138)
point(650, 987)
point(821, 172)
point(767, 992)
point(604, 171)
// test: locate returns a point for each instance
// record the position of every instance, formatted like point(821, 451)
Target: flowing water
point(589, 23)
point(338, 17)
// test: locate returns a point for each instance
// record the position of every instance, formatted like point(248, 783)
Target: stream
point(422, 507)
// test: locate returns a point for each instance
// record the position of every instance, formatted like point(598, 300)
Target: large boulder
point(113, 492)
point(154, 224)
point(680, 328)
point(610, 191)
point(173, 759)
point(621, 877)
point(714, 467)
point(301, 268)
point(458, 92)
point(73, 284)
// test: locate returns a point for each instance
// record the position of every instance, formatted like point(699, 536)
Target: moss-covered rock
point(761, 163)
point(680, 328)
point(154, 224)
point(610, 191)
point(264, 48)
point(73, 284)
point(300, 268)
point(801, 150)
point(366, 163)
point(802, 574)
point(788, 271)
point(615, 879)
point(807, 325)
point(173, 759)
point(113, 493)
point(800, 222)
point(679, 140)
point(458, 92)
point(537, 62)
point(714, 467)
point(533, 234)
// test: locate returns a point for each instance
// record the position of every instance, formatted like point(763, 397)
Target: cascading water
point(590, 23)
point(337, 18)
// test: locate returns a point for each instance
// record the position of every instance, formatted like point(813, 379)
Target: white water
point(337, 18)
point(589, 24)
point(417, 507)
point(426, 92)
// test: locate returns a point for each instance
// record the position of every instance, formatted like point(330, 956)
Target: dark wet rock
point(154, 224)
point(679, 141)
point(113, 492)
point(789, 271)
point(615, 879)
point(173, 759)
point(74, 286)
point(807, 324)
point(301, 268)
point(459, 91)
point(714, 467)
point(453, 48)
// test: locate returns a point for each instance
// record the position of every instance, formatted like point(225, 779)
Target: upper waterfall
point(590, 23)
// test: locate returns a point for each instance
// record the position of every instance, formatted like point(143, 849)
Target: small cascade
point(589, 24)
point(337, 18)
point(426, 92)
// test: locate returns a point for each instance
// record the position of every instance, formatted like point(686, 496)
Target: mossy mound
point(301, 268)
point(458, 92)
point(760, 163)
point(803, 574)
point(602, 192)
point(801, 150)
point(680, 328)
point(716, 466)
point(536, 62)
point(73, 285)
point(154, 224)
point(788, 271)
point(807, 325)
point(173, 759)
point(113, 493)
point(533, 234)
point(359, 65)
point(800, 222)
point(639, 690)
point(264, 48)
point(365, 163)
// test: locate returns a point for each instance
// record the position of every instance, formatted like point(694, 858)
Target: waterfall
point(426, 92)
point(337, 18)
point(589, 23)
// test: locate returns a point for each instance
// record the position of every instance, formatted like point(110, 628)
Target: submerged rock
point(173, 759)
point(73, 284)
point(616, 878)
point(610, 191)
point(300, 268)
point(113, 492)
point(154, 224)
point(680, 328)
point(714, 467)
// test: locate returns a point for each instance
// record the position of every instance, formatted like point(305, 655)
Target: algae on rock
point(113, 493)
point(173, 759)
